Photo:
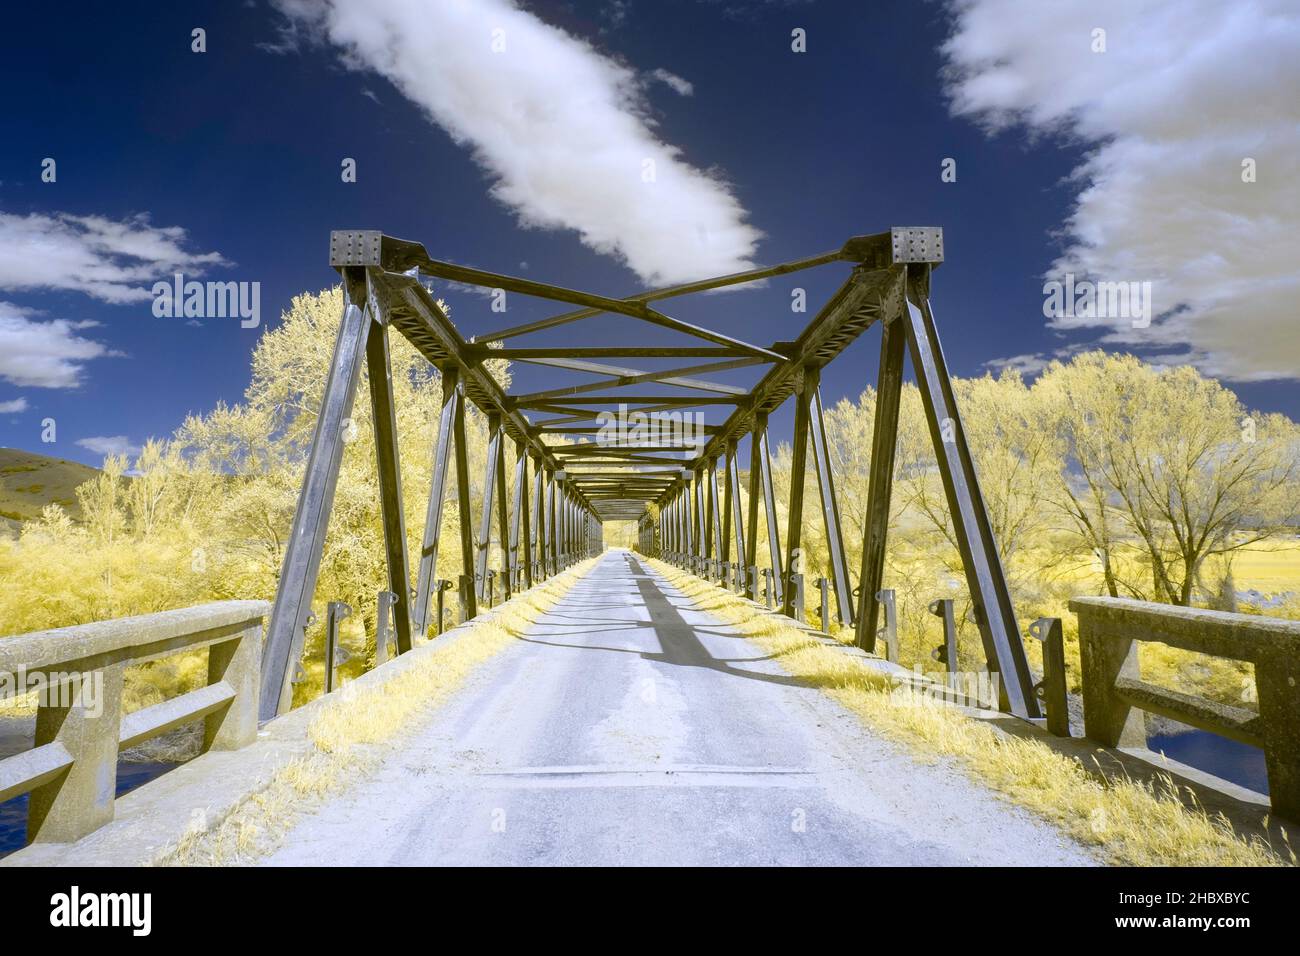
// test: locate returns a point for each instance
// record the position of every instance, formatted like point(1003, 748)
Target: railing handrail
point(135, 639)
point(1241, 637)
point(71, 769)
point(1110, 633)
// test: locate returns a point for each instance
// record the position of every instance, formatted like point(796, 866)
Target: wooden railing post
point(238, 663)
point(384, 626)
point(83, 714)
point(1107, 717)
point(335, 654)
point(1052, 688)
point(889, 630)
point(1277, 684)
point(442, 587)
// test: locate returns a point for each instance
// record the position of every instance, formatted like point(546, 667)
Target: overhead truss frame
point(578, 480)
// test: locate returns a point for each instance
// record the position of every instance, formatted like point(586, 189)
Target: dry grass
point(354, 730)
point(1128, 822)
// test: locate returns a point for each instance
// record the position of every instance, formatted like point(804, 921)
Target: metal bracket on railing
point(335, 654)
point(443, 586)
point(795, 584)
point(946, 653)
point(299, 673)
point(824, 587)
point(466, 587)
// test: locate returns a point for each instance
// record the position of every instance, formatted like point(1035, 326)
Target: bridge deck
point(628, 727)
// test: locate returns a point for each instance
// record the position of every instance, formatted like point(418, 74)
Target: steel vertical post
point(755, 494)
point(884, 443)
point(302, 556)
point(503, 522)
point(715, 516)
point(489, 489)
point(830, 506)
point(468, 590)
point(769, 510)
point(428, 569)
point(798, 471)
point(985, 577)
point(388, 464)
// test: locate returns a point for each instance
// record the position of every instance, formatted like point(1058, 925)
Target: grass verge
point(353, 731)
point(1127, 821)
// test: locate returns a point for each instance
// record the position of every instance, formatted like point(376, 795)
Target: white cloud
point(13, 405)
point(560, 128)
point(44, 354)
point(109, 445)
point(1184, 92)
point(678, 85)
point(112, 260)
point(1028, 365)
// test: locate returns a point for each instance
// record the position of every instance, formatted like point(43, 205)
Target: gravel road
point(627, 727)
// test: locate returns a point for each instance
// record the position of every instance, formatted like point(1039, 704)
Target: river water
point(13, 813)
point(1236, 762)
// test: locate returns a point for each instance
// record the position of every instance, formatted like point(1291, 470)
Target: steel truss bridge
point(685, 496)
point(568, 481)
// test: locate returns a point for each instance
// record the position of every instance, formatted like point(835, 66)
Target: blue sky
point(228, 162)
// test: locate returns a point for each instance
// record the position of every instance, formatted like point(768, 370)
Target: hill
point(29, 482)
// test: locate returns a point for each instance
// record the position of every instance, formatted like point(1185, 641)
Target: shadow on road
point(679, 641)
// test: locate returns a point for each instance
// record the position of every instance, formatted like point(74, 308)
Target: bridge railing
point(1115, 695)
point(71, 771)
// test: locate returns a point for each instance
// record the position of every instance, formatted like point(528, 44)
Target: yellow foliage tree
point(204, 516)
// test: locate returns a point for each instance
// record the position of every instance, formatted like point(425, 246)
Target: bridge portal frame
point(580, 484)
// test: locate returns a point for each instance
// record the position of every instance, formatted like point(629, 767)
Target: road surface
point(627, 727)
